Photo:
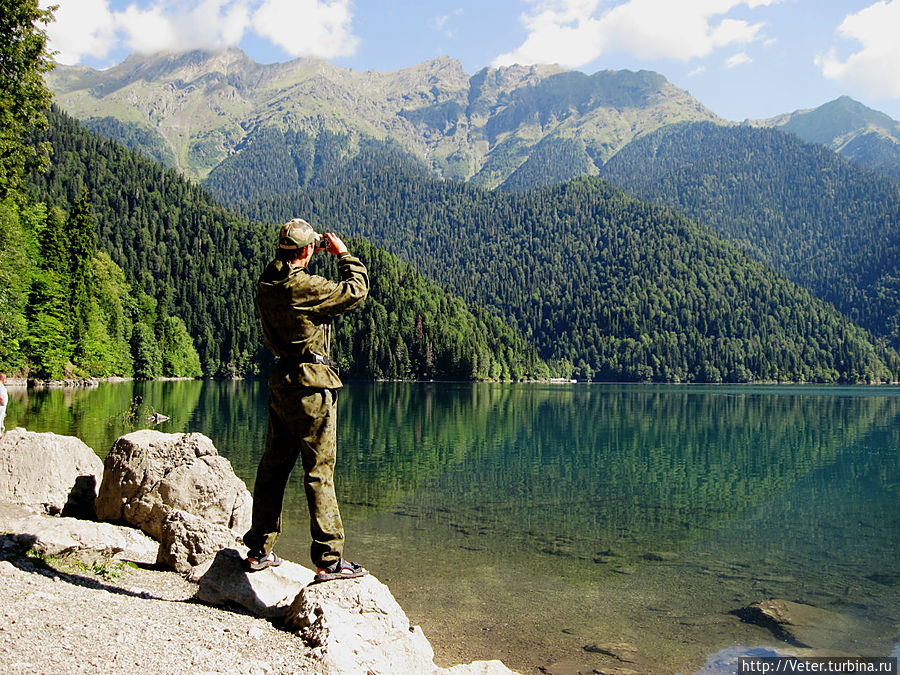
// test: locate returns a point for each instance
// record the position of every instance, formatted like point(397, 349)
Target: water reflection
point(538, 523)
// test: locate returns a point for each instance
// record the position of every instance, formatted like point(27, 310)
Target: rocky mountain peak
point(204, 105)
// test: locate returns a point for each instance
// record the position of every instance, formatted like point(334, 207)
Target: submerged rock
point(53, 473)
point(798, 624)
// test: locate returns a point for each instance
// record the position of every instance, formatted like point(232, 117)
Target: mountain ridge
point(859, 133)
point(203, 105)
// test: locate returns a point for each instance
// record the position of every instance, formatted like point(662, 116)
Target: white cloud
point(875, 67)
point(737, 60)
point(697, 71)
point(575, 32)
point(308, 27)
point(90, 28)
point(147, 30)
point(82, 28)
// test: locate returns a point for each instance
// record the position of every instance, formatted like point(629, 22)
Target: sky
point(741, 58)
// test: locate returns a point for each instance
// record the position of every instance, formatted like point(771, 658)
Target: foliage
point(619, 289)
point(23, 94)
point(824, 222)
point(200, 262)
point(13, 286)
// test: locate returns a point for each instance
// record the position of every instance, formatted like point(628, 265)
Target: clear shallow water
point(548, 524)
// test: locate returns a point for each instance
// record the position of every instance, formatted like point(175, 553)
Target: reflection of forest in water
point(574, 470)
point(711, 497)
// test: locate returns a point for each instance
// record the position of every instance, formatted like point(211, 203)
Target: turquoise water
point(580, 526)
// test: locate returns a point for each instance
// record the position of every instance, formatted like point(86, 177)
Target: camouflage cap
point(297, 234)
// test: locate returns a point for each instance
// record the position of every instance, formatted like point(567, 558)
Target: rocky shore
point(88, 560)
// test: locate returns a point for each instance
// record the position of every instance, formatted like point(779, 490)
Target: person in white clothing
point(4, 399)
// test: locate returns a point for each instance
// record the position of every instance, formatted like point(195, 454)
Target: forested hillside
point(825, 222)
point(866, 136)
point(191, 255)
point(66, 309)
point(613, 287)
point(275, 163)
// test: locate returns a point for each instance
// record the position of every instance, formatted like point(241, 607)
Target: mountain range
point(193, 110)
point(514, 127)
point(785, 247)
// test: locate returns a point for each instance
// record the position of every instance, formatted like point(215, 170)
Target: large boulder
point(148, 474)
point(187, 541)
point(355, 626)
point(267, 593)
point(801, 625)
point(55, 474)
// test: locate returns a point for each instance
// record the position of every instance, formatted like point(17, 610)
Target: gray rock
point(798, 624)
point(352, 625)
point(187, 541)
point(356, 626)
point(267, 593)
point(56, 536)
point(148, 474)
point(58, 474)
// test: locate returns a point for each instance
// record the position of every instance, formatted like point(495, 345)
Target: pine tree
point(79, 232)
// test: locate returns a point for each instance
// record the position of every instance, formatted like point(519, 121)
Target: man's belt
point(310, 358)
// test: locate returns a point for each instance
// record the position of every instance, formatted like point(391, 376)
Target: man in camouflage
point(296, 309)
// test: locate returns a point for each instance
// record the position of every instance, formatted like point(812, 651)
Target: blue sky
point(740, 58)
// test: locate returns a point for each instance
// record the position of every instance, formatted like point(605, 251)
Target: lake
point(579, 527)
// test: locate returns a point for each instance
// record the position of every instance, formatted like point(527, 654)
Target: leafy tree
point(14, 272)
point(48, 341)
point(145, 352)
point(23, 95)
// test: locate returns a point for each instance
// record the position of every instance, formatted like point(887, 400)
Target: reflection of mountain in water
point(578, 470)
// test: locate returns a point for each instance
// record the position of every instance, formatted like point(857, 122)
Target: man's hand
point(334, 245)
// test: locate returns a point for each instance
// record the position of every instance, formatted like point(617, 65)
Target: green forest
point(66, 309)
point(188, 254)
point(823, 221)
point(605, 286)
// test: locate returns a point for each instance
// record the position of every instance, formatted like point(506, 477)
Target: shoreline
point(81, 590)
point(93, 382)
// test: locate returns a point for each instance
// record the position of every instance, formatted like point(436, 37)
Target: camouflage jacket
point(295, 310)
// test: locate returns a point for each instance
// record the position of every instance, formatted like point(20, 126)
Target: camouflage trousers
point(302, 423)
